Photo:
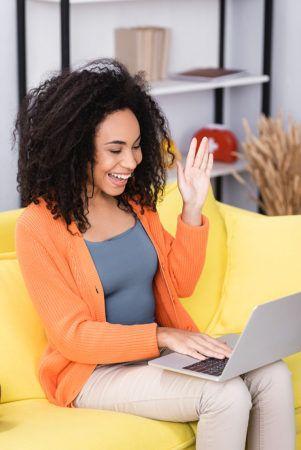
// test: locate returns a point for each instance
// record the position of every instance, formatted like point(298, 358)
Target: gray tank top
point(126, 265)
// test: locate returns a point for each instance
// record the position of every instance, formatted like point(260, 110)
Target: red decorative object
point(221, 141)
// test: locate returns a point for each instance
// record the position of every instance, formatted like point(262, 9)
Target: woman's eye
point(118, 151)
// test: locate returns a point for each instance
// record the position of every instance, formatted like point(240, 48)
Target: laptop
point(272, 332)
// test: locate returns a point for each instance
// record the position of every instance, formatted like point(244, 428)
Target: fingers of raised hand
point(190, 156)
point(201, 158)
point(209, 165)
point(204, 162)
point(204, 159)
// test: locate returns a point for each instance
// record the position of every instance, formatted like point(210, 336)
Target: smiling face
point(118, 152)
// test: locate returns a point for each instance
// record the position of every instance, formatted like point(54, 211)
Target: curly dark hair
point(56, 124)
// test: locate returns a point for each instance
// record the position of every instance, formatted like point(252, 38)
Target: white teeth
point(121, 177)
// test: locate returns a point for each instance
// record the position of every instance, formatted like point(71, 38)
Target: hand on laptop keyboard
point(197, 345)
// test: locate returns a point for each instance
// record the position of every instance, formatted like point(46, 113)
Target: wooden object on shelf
point(208, 74)
point(143, 49)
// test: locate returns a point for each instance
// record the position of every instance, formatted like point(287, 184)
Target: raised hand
point(193, 181)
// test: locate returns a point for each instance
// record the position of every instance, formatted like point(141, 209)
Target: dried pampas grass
point(274, 162)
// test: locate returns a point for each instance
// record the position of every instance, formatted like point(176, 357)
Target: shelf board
point(219, 169)
point(85, 1)
point(169, 86)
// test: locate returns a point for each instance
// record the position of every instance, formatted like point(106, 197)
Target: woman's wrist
point(191, 215)
point(161, 336)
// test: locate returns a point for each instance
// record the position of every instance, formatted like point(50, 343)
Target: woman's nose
point(129, 162)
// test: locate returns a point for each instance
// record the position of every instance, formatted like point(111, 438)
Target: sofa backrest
point(7, 229)
point(22, 336)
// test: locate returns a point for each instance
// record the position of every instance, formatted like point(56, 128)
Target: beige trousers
point(254, 411)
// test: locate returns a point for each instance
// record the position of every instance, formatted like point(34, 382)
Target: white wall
point(9, 197)
point(92, 36)
point(286, 59)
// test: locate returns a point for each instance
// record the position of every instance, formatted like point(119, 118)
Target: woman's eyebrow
point(121, 142)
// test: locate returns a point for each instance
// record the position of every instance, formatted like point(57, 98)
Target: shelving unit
point(169, 86)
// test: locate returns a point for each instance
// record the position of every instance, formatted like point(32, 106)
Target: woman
point(105, 276)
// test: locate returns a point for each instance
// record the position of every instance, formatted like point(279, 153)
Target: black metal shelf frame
point(218, 93)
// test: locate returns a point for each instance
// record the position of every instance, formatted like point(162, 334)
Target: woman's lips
point(117, 182)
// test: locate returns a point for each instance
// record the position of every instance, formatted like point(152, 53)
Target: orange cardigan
point(66, 291)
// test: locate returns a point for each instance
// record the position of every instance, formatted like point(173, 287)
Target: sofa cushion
point(38, 424)
point(263, 264)
point(202, 304)
point(225, 208)
point(21, 335)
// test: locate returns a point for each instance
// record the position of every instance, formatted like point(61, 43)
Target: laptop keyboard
point(211, 366)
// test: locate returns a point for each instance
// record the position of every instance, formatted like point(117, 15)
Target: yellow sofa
point(221, 303)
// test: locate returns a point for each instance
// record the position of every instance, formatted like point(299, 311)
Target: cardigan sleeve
point(186, 254)
point(65, 315)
